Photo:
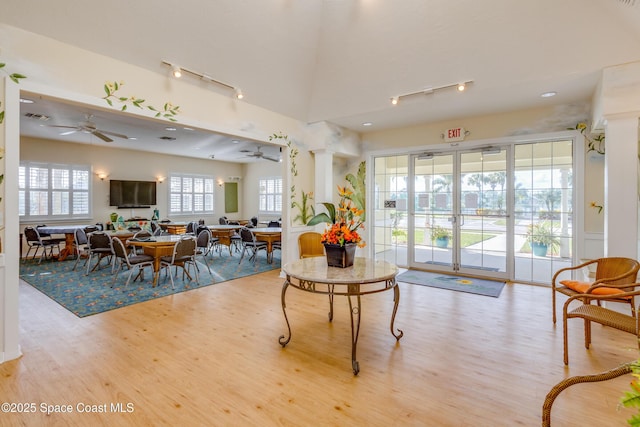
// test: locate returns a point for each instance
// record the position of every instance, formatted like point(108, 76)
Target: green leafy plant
point(359, 190)
point(168, 111)
point(543, 233)
point(438, 232)
point(594, 143)
point(631, 398)
point(305, 208)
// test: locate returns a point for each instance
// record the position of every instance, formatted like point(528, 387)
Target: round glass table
point(366, 276)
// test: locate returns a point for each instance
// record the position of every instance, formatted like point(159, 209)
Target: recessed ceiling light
point(132, 138)
point(26, 101)
point(548, 94)
point(170, 129)
point(367, 124)
point(185, 128)
point(235, 141)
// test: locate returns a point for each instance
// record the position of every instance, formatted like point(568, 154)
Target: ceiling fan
point(260, 155)
point(88, 126)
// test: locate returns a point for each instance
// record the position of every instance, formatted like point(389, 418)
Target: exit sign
point(454, 134)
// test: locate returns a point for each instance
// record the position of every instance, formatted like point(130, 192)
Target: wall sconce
point(220, 182)
point(160, 179)
point(101, 175)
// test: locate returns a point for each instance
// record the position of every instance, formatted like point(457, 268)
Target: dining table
point(224, 233)
point(157, 247)
point(269, 235)
point(69, 237)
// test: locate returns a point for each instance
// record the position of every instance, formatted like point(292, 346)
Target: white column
point(621, 186)
point(324, 188)
point(10, 258)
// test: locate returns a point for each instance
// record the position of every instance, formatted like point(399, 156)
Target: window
point(270, 195)
point(190, 194)
point(53, 191)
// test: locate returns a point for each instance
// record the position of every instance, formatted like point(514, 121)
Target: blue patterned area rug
point(490, 288)
point(86, 295)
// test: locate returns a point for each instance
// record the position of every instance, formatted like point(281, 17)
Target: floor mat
point(490, 288)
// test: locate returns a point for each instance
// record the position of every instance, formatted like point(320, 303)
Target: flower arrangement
point(344, 220)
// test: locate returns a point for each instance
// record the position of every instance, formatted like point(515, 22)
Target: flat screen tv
point(132, 194)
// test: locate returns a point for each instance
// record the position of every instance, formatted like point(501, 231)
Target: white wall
point(133, 165)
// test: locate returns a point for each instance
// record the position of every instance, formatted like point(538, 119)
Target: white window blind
point(270, 195)
point(53, 191)
point(191, 194)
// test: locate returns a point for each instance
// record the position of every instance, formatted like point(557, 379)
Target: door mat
point(490, 288)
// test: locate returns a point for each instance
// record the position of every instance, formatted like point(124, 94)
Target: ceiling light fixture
point(429, 90)
point(548, 94)
point(204, 77)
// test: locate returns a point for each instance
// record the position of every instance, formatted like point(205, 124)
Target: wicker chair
point(604, 316)
point(612, 274)
point(309, 245)
point(568, 382)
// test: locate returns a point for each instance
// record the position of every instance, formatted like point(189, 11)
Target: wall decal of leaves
point(168, 111)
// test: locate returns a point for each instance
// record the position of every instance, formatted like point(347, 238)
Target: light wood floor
point(210, 357)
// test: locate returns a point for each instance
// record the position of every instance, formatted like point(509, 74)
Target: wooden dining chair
point(310, 245)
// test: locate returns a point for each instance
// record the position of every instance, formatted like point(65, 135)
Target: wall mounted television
point(132, 194)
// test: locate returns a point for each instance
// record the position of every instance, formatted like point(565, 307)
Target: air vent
point(168, 138)
point(37, 116)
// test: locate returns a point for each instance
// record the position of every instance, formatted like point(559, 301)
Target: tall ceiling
point(342, 60)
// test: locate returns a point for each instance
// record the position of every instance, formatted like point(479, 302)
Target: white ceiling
point(342, 60)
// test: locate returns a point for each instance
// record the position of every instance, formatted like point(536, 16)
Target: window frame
point(275, 195)
point(193, 194)
point(53, 191)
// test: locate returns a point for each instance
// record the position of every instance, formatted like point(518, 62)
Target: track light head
point(395, 100)
point(177, 71)
point(239, 94)
point(462, 87)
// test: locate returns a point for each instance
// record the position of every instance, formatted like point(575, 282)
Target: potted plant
point(542, 237)
point(441, 236)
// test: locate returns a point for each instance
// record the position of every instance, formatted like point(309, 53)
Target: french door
point(477, 211)
point(460, 213)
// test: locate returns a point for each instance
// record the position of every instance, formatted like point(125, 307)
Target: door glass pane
point(483, 219)
point(543, 194)
point(433, 208)
point(390, 209)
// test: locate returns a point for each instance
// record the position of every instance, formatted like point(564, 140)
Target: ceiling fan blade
point(273, 159)
point(117, 135)
point(101, 136)
point(69, 132)
point(63, 127)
